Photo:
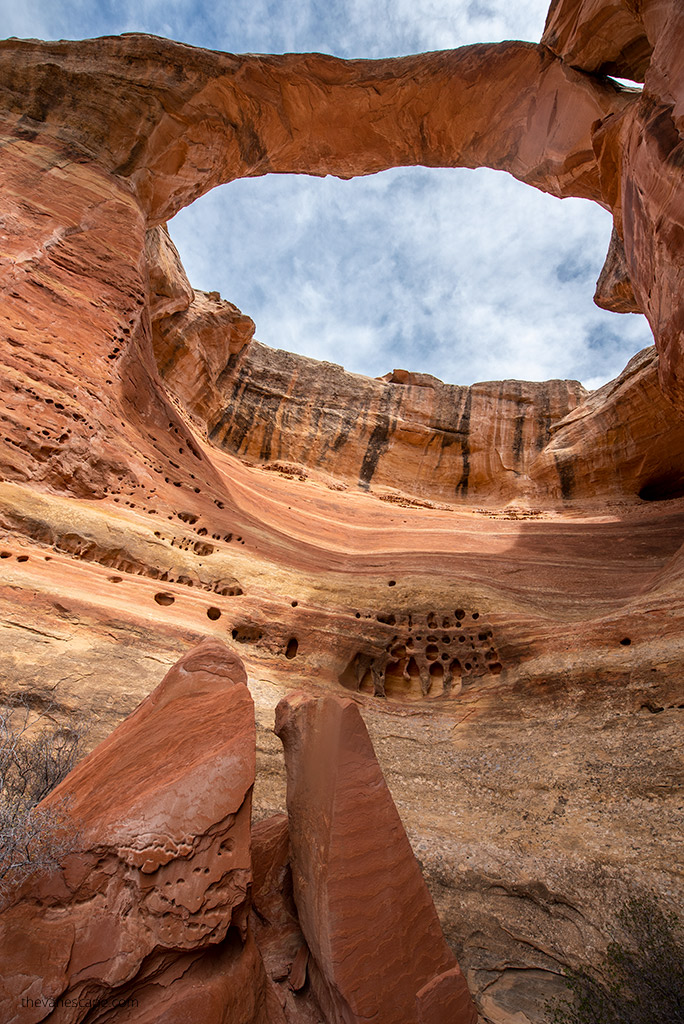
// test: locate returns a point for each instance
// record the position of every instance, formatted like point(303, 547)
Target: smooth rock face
point(445, 998)
point(150, 914)
point(363, 906)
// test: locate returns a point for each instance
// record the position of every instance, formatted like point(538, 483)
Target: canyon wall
point(166, 479)
point(409, 436)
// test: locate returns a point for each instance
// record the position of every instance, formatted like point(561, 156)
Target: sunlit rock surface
point(165, 479)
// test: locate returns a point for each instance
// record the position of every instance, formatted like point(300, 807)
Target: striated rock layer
point(409, 435)
point(165, 479)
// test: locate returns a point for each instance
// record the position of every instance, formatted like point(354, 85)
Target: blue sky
point(469, 275)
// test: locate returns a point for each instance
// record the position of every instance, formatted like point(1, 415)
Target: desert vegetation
point(641, 979)
point(36, 753)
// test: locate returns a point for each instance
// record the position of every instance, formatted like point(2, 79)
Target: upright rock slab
point(364, 909)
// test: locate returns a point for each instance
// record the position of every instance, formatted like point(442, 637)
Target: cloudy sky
point(469, 275)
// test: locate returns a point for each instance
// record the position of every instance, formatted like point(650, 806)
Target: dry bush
point(641, 980)
point(35, 755)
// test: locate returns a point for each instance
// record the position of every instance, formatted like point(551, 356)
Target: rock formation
point(156, 915)
point(352, 865)
point(165, 479)
point(147, 920)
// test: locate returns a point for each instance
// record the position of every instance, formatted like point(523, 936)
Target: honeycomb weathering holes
point(417, 657)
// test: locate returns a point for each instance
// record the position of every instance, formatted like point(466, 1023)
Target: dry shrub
point(35, 755)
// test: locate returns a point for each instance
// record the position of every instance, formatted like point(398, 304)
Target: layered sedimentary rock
point(351, 865)
point(411, 436)
point(138, 516)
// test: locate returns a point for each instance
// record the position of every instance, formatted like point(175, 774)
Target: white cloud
point(468, 275)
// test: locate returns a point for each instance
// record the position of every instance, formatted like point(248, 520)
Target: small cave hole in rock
point(495, 668)
point(663, 488)
point(294, 603)
point(22, 558)
point(164, 599)
point(625, 642)
point(392, 583)
point(213, 613)
point(292, 648)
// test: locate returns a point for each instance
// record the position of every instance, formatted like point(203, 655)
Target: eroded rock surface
point(147, 920)
point(409, 436)
point(170, 906)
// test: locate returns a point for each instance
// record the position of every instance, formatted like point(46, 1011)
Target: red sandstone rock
point(273, 920)
point(84, 268)
point(151, 912)
point(614, 289)
point(274, 915)
point(95, 157)
point(170, 290)
point(602, 36)
point(445, 998)
point(640, 151)
point(367, 916)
